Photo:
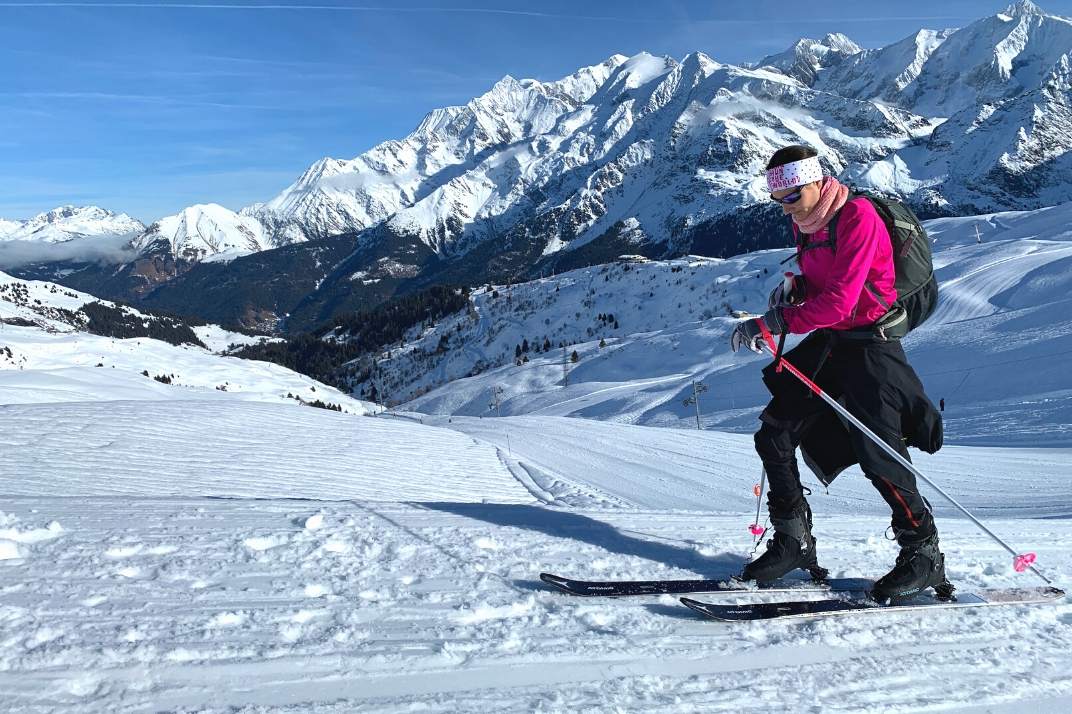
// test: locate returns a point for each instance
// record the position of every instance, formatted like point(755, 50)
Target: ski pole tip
point(756, 529)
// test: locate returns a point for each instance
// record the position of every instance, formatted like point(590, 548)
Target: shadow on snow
point(573, 526)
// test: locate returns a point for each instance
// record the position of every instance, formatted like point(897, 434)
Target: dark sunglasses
point(790, 199)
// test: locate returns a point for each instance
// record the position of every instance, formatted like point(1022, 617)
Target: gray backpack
point(917, 286)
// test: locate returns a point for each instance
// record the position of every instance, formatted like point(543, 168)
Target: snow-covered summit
point(338, 196)
point(939, 74)
point(204, 232)
point(68, 223)
point(807, 57)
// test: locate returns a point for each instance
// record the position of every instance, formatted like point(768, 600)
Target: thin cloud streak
point(477, 10)
point(141, 98)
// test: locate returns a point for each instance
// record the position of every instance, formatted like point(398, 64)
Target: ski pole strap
point(785, 363)
point(766, 334)
point(770, 340)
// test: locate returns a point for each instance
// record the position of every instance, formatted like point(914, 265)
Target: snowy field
point(185, 548)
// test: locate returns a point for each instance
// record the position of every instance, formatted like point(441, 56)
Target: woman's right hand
point(797, 294)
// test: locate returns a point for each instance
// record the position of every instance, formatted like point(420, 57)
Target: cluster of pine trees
point(323, 352)
point(116, 322)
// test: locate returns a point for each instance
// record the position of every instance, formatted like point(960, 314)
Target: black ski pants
point(870, 379)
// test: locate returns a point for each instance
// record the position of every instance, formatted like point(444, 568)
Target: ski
point(621, 588)
point(837, 606)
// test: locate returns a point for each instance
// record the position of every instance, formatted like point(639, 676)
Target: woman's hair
point(789, 154)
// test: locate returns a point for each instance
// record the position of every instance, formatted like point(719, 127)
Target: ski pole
point(756, 528)
point(1021, 562)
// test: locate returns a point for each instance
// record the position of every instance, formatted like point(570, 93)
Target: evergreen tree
point(574, 357)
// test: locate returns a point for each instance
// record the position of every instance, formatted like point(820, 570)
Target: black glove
point(749, 333)
point(797, 294)
point(775, 320)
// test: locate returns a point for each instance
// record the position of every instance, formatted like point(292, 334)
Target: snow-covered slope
point(204, 232)
point(46, 356)
point(1004, 302)
point(69, 223)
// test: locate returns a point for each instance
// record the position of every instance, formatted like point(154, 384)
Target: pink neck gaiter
point(832, 197)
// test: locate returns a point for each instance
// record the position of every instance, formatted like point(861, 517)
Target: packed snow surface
point(188, 548)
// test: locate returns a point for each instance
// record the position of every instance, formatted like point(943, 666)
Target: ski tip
point(554, 580)
point(703, 608)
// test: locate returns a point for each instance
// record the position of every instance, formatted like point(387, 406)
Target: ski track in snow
point(178, 604)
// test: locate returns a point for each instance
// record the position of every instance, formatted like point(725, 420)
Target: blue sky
point(146, 108)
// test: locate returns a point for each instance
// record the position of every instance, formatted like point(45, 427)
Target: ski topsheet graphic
point(838, 606)
point(621, 588)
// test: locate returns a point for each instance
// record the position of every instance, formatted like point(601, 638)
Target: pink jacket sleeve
point(858, 236)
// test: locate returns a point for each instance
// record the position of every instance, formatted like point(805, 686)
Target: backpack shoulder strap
point(832, 226)
point(853, 195)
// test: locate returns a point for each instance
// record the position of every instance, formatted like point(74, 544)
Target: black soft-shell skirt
point(875, 383)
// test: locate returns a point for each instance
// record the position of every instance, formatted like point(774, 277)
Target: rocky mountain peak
point(1023, 8)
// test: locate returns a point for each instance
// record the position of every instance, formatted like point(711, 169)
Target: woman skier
point(842, 292)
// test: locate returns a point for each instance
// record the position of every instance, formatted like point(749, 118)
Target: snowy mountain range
point(959, 121)
point(638, 154)
point(69, 223)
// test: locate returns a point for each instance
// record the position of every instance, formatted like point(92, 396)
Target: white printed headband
point(796, 173)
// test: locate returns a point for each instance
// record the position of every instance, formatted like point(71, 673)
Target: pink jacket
point(837, 296)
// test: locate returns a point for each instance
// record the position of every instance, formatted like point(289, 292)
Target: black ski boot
point(920, 565)
point(791, 547)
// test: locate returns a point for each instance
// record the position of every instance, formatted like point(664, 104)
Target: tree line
point(322, 353)
point(116, 322)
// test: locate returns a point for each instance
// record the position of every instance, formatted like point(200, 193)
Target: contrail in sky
point(475, 10)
